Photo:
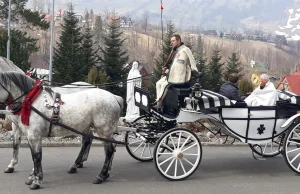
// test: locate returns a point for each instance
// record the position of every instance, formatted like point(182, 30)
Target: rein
point(9, 101)
point(74, 130)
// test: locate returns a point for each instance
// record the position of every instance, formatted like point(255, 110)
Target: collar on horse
point(30, 97)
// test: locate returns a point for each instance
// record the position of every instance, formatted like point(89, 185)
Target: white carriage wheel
point(292, 147)
point(138, 147)
point(181, 156)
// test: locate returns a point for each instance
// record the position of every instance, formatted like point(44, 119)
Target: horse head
point(14, 86)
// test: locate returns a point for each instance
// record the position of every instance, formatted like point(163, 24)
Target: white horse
point(81, 110)
point(7, 65)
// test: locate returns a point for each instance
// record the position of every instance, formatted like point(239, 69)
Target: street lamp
point(8, 30)
point(51, 44)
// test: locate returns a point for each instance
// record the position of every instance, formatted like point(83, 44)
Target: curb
point(100, 144)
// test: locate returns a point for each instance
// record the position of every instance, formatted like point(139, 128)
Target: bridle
point(10, 102)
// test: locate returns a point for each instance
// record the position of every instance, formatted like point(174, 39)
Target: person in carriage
point(177, 70)
point(230, 89)
point(264, 95)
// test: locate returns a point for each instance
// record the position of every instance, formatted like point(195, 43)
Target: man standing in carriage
point(177, 69)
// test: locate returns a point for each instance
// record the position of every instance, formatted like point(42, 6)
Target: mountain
point(292, 28)
point(199, 13)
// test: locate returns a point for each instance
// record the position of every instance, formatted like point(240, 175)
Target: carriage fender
point(290, 120)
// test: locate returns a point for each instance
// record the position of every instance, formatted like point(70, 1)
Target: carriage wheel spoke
point(163, 153)
point(187, 139)
point(170, 149)
point(294, 141)
point(179, 139)
point(298, 166)
point(166, 160)
point(190, 154)
point(138, 147)
point(135, 142)
point(172, 141)
point(143, 150)
point(182, 166)
point(188, 161)
point(189, 147)
point(293, 150)
point(295, 158)
point(169, 166)
point(296, 134)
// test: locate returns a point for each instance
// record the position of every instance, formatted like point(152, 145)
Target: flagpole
point(162, 30)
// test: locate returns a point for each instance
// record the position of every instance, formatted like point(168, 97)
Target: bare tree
point(145, 21)
point(268, 57)
point(40, 6)
point(49, 6)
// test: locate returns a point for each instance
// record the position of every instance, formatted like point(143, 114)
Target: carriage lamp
point(197, 93)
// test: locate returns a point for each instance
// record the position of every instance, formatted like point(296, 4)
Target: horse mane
point(22, 81)
point(7, 65)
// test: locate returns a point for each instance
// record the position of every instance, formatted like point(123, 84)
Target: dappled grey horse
point(82, 110)
point(7, 65)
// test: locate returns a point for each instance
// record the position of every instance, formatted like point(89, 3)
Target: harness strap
point(56, 109)
point(75, 131)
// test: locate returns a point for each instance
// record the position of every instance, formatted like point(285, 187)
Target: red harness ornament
point(26, 105)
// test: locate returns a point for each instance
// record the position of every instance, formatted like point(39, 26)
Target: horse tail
point(120, 101)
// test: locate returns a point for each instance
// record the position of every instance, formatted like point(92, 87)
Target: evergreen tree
point(200, 48)
point(215, 71)
point(92, 16)
point(221, 34)
point(20, 12)
point(203, 76)
point(245, 87)
point(97, 76)
point(165, 51)
point(21, 45)
point(87, 16)
point(98, 29)
point(67, 56)
point(114, 57)
point(89, 54)
point(233, 65)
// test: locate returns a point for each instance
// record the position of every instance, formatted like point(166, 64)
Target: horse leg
point(36, 178)
point(109, 149)
point(86, 143)
point(17, 133)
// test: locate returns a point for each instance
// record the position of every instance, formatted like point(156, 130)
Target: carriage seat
point(182, 89)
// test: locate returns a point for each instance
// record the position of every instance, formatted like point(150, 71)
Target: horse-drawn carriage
point(177, 152)
point(157, 134)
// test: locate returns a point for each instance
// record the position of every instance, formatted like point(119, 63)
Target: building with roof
point(290, 83)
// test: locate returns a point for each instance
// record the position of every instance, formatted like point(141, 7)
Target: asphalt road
point(222, 170)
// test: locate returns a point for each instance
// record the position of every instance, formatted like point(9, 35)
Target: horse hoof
point(29, 182)
point(72, 169)
point(9, 170)
point(99, 180)
point(80, 165)
point(34, 186)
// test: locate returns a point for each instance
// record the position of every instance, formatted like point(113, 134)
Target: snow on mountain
point(292, 28)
